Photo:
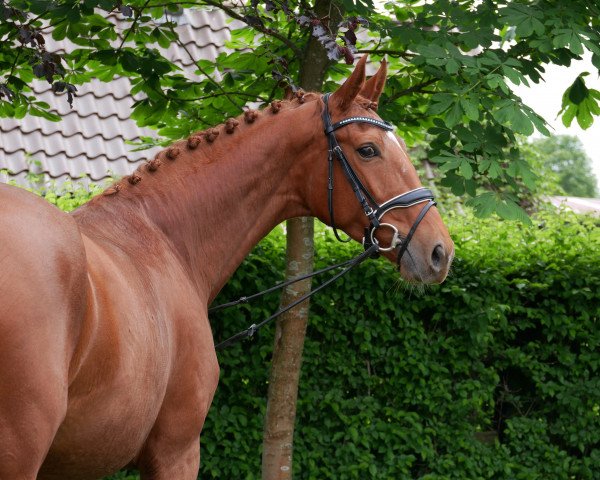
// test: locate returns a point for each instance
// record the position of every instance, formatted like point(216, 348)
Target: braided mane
point(206, 138)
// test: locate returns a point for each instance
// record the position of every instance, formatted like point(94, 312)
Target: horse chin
point(415, 272)
point(421, 277)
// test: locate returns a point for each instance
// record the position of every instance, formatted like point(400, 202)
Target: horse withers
point(106, 353)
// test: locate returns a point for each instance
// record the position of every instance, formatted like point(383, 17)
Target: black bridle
point(372, 210)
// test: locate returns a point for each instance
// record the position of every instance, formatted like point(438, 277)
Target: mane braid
point(209, 136)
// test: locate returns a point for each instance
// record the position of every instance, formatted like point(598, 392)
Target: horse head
point(373, 191)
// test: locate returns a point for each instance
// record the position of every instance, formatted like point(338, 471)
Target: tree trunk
point(290, 328)
point(287, 356)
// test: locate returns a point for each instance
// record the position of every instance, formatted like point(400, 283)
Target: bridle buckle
point(396, 240)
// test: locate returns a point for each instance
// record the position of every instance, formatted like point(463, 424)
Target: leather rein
point(373, 211)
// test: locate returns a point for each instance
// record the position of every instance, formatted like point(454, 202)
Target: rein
point(252, 329)
point(373, 211)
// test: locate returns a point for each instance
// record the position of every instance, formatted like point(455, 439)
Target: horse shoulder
point(42, 263)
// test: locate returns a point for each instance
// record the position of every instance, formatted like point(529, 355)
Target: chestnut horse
point(106, 353)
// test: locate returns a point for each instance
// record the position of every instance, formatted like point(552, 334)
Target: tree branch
point(267, 31)
point(138, 13)
point(420, 87)
point(391, 53)
point(210, 79)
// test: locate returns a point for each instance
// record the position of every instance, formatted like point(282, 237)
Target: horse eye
point(368, 151)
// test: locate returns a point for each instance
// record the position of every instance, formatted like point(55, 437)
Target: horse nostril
point(437, 256)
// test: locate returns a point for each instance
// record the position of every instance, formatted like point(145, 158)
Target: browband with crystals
point(373, 121)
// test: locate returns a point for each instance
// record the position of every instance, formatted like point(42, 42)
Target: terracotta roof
point(91, 139)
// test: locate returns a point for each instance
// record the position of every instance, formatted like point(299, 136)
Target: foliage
point(580, 102)
point(493, 374)
point(71, 195)
point(563, 157)
point(405, 384)
point(68, 196)
point(451, 67)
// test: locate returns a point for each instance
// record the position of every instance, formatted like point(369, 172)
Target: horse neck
point(215, 202)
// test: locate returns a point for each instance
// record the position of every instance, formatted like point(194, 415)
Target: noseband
point(371, 208)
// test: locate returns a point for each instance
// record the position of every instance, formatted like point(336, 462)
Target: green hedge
point(492, 375)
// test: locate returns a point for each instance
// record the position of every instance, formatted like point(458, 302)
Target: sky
point(546, 97)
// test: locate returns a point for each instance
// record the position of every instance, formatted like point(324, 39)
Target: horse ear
point(374, 85)
point(343, 97)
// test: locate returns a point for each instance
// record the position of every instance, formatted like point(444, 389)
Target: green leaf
point(60, 31)
point(484, 205)
point(569, 114)
point(580, 102)
point(465, 169)
point(452, 66)
point(514, 76)
point(521, 122)
point(495, 169)
point(471, 108)
point(538, 122)
point(509, 210)
point(440, 102)
point(584, 114)
point(578, 91)
point(38, 112)
point(454, 116)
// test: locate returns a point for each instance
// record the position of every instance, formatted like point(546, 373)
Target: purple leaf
point(6, 92)
point(303, 20)
point(349, 38)
point(39, 70)
point(126, 10)
point(319, 31)
point(348, 55)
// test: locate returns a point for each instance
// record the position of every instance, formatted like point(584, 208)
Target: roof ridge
point(90, 92)
point(54, 177)
point(66, 155)
point(21, 128)
point(64, 51)
point(75, 112)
